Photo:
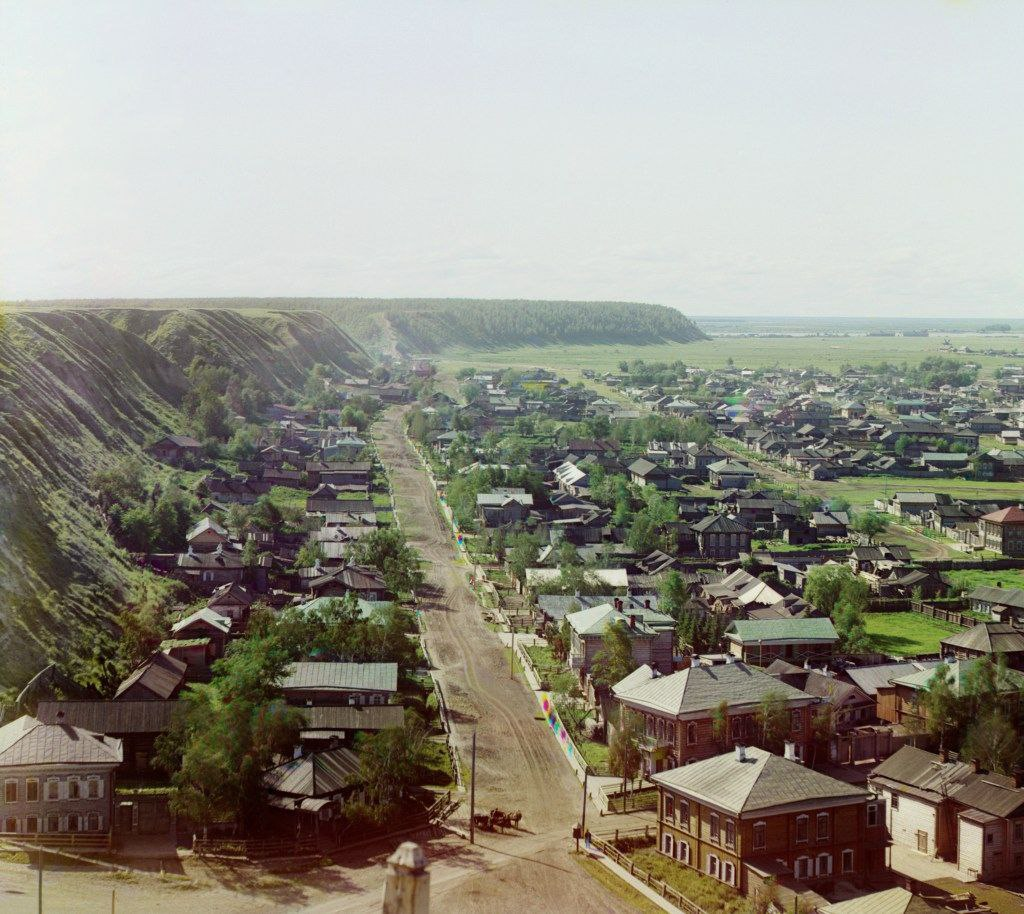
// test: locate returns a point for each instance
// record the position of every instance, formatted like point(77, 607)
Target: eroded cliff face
point(78, 389)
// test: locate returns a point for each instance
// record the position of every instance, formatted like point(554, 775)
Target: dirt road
point(519, 766)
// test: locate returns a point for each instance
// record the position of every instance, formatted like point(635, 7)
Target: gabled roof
point(28, 741)
point(869, 678)
point(718, 523)
point(114, 717)
point(207, 615)
point(923, 771)
point(1012, 515)
point(1002, 596)
point(760, 782)
point(159, 673)
point(595, 620)
point(343, 677)
point(700, 688)
point(232, 594)
point(990, 637)
point(750, 631)
point(321, 774)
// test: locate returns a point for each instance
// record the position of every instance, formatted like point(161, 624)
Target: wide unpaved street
point(519, 766)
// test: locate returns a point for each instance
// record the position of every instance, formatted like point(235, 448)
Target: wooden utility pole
point(586, 778)
point(472, 794)
point(40, 891)
point(512, 653)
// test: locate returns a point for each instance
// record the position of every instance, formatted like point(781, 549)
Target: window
point(683, 851)
point(716, 830)
point(894, 801)
point(684, 814)
point(803, 867)
point(10, 791)
point(661, 728)
point(74, 789)
point(801, 829)
point(667, 845)
point(728, 872)
point(92, 822)
point(73, 822)
point(670, 808)
point(53, 822)
point(847, 861)
point(760, 836)
point(94, 788)
point(872, 815)
point(712, 865)
point(797, 720)
point(989, 837)
point(736, 725)
point(32, 790)
point(32, 824)
point(10, 825)
point(1018, 831)
point(824, 867)
point(822, 826)
point(922, 842)
point(691, 734)
point(730, 833)
point(53, 789)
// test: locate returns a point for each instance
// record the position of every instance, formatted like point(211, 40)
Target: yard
point(708, 893)
point(968, 580)
point(906, 634)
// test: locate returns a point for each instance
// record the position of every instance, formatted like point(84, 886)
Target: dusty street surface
point(519, 767)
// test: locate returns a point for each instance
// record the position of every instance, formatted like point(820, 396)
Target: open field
point(906, 633)
point(978, 578)
point(827, 352)
point(862, 490)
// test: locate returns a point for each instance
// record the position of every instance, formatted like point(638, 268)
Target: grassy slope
point(77, 391)
point(906, 633)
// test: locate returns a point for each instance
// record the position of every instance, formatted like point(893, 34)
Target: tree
point(870, 524)
point(940, 705)
point(250, 554)
point(829, 585)
point(265, 514)
point(614, 662)
point(227, 733)
point(624, 757)
point(994, 741)
point(522, 555)
point(387, 550)
point(311, 552)
point(773, 721)
point(389, 762)
point(673, 595)
point(720, 722)
point(838, 503)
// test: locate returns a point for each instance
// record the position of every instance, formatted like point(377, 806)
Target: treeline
point(490, 325)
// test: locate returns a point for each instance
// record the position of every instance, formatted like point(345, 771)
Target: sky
point(798, 158)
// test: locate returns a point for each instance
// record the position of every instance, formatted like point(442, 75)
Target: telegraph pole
point(586, 778)
point(512, 653)
point(472, 794)
point(40, 892)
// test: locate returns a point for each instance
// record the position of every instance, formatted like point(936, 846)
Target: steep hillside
point(424, 325)
point(77, 390)
point(277, 347)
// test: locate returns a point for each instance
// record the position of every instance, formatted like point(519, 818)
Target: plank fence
point(670, 894)
point(255, 848)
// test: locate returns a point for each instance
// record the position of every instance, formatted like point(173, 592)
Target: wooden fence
point(255, 848)
point(954, 612)
point(666, 891)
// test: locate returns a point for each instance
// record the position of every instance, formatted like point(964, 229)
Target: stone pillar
point(407, 883)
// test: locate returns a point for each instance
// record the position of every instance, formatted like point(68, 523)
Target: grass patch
point(436, 768)
point(621, 890)
point(708, 893)
point(906, 633)
point(968, 580)
point(287, 497)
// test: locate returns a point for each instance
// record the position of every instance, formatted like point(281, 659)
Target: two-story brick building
point(1003, 531)
point(57, 779)
point(678, 711)
point(745, 814)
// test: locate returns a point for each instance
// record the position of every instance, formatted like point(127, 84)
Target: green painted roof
point(768, 630)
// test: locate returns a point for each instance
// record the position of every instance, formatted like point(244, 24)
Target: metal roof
point(759, 782)
point(28, 741)
point(346, 677)
point(322, 774)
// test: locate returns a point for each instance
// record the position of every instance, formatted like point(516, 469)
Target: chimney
point(789, 751)
point(976, 765)
point(1018, 777)
point(618, 604)
point(694, 662)
point(741, 753)
point(60, 717)
point(632, 621)
point(647, 603)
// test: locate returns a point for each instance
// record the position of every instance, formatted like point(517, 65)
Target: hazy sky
point(759, 157)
